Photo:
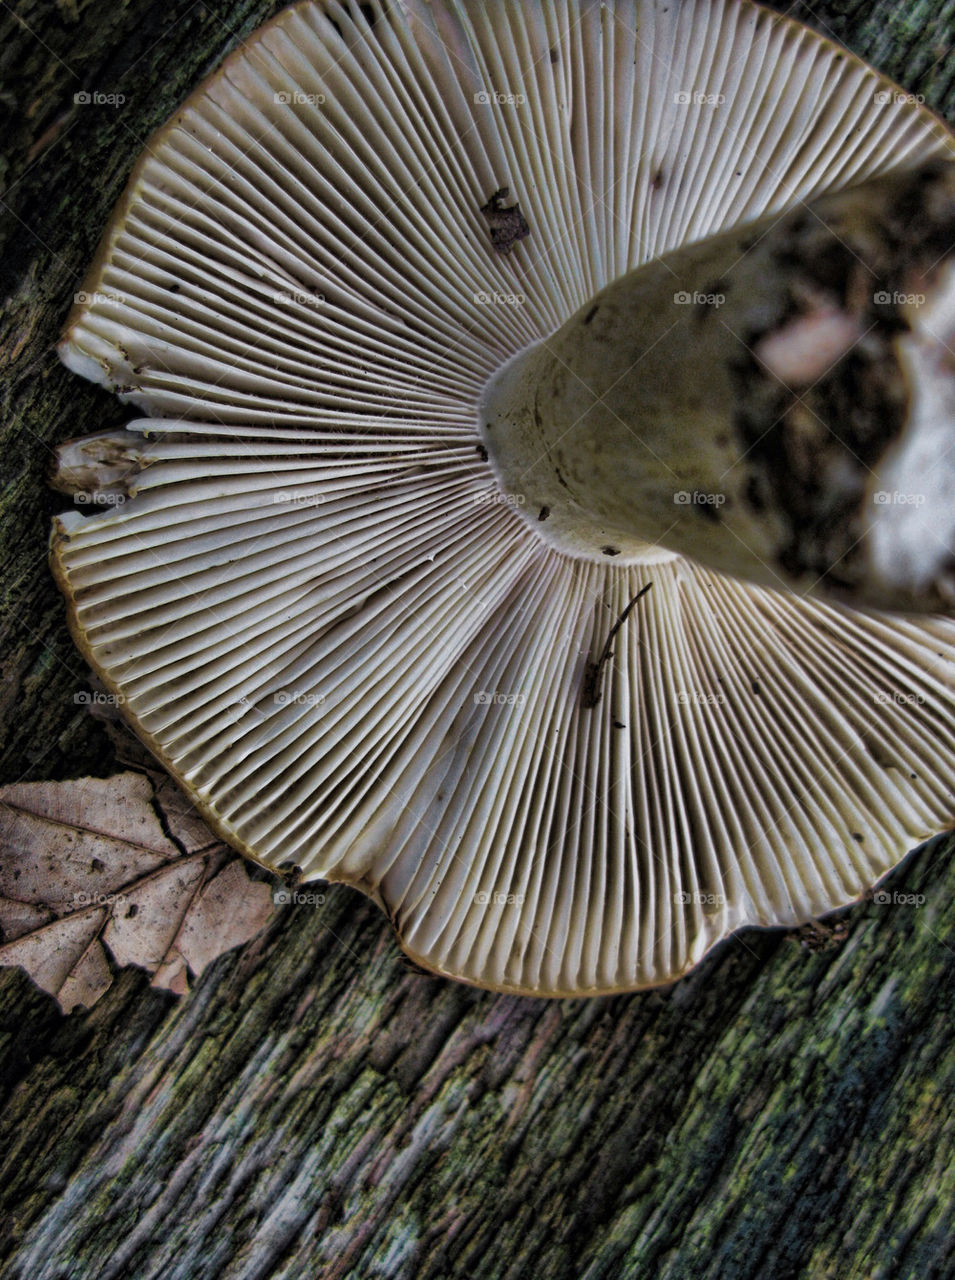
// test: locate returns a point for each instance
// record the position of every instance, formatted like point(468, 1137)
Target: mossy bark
point(315, 1109)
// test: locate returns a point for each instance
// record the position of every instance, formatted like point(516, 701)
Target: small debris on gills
point(594, 670)
point(506, 222)
point(482, 452)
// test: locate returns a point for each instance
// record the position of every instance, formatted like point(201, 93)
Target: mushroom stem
point(776, 402)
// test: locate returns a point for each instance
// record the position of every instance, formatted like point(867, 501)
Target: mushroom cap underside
point(300, 579)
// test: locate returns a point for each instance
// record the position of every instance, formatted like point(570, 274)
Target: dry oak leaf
point(90, 866)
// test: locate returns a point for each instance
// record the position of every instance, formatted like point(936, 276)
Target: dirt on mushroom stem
point(749, 400)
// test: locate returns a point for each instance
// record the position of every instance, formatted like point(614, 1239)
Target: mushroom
point(541, 588)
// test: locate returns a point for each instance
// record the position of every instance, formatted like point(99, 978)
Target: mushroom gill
point(356, 650)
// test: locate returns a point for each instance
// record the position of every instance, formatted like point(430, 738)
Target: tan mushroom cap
point(301, 578)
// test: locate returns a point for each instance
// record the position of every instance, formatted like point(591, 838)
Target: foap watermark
point(498, 899)
point(98, 698)
point(296, 98)
point(684, 298)
point(696, 498)
point(694, 98)
point(297, 898)
point(893, 498)
point(89, 898)
point(94, 98)
point(491, 298)
point(494, 698)
point(99, 298)
point(885, 299)
point(487, 97)
point(892, 898)
point(298, 499)
point(91, 498)
point(494, 498)
point(288, 698)
point(298, 298)
point(684, 899)
point(885, 97)
point(900, 698)
point(694, 698)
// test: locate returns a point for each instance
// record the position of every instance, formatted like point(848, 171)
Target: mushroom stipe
point(403, 449)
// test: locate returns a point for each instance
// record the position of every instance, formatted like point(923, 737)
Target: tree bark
point(316, 1109)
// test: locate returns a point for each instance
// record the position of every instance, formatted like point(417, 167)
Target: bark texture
point(315, 1109)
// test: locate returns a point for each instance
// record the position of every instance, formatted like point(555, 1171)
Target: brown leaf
point(60, 958)
point(123, 864)
point(145, 924)
point(229, 910)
